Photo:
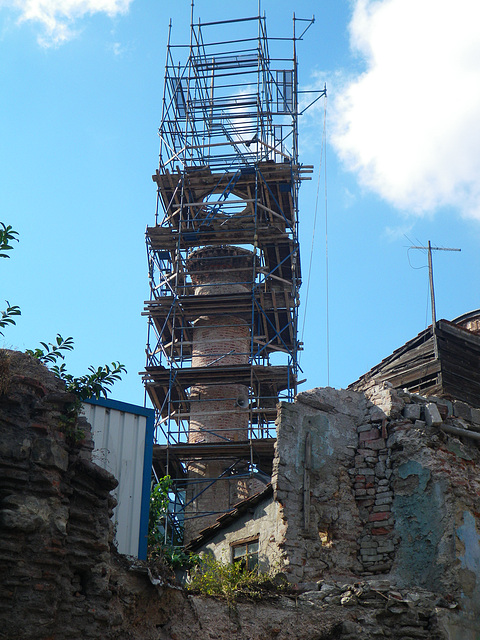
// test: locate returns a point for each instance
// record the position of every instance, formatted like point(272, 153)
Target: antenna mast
point(429, 248)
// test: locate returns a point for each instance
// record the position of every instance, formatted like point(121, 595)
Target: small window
point(246, 552)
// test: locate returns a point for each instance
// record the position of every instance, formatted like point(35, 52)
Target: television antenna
point(429, 249)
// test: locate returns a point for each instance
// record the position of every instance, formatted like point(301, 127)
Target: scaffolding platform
point(260, 450)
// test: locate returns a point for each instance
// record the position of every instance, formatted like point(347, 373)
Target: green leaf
point(6, 316)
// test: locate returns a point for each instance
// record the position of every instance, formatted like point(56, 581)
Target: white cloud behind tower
point(409, 126)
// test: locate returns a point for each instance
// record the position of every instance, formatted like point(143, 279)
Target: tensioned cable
point(313, 237)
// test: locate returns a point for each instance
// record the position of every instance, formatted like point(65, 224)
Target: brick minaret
point(218, 412)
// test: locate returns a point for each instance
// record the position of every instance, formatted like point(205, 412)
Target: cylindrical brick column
point(218, 412)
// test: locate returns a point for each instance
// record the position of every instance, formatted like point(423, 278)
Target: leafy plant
point(158, 512)
point(94, 384)
point(230, 581)
point(52, 352)
point(172, 554)
point(7, 235)
point(178, 558)
point(6, 316)
point(175, 557)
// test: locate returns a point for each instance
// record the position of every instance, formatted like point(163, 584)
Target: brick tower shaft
point(218, 412)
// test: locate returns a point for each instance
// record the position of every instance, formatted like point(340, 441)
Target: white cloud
point(58, 17)
point(117, 49)
point(409, 126)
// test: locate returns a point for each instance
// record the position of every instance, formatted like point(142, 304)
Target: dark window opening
point(246, 553)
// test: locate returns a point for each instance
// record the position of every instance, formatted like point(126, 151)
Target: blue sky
point(81, 86)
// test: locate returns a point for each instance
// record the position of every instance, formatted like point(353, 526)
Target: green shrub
point(158, 512)
point(230, 581)
point(174, 557)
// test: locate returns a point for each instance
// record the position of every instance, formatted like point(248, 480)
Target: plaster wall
point(317, 504)
point(436, 503)
point(265, 523)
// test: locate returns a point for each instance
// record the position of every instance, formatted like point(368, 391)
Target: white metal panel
point(120, 448)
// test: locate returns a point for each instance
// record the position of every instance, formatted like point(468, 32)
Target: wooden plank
point(412, 374)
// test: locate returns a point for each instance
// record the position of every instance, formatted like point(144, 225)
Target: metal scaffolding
point(227, 185)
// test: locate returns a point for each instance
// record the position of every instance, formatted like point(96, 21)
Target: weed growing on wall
point(94, 384)
point(231, 581)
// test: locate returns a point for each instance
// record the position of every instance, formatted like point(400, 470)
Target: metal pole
point(429, 249)
point(432, 292)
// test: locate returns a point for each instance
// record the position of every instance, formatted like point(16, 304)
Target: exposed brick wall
point(220, 341)
point(374, 496)
point(218, 412)
point(224, 264)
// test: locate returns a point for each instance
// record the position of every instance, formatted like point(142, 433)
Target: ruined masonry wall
point(424, 525)
point(329, 543)
point(389, 491)
point(54, 512)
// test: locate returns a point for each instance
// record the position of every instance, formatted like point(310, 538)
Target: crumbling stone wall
point(54, 510)
point(432, 500)
point(391, 490)
point(318, 507)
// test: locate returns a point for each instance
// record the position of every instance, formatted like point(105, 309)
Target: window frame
point(247, 556)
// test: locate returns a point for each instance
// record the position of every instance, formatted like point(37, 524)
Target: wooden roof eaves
point(459, 332)
point(227, 518)
point(445, 326)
